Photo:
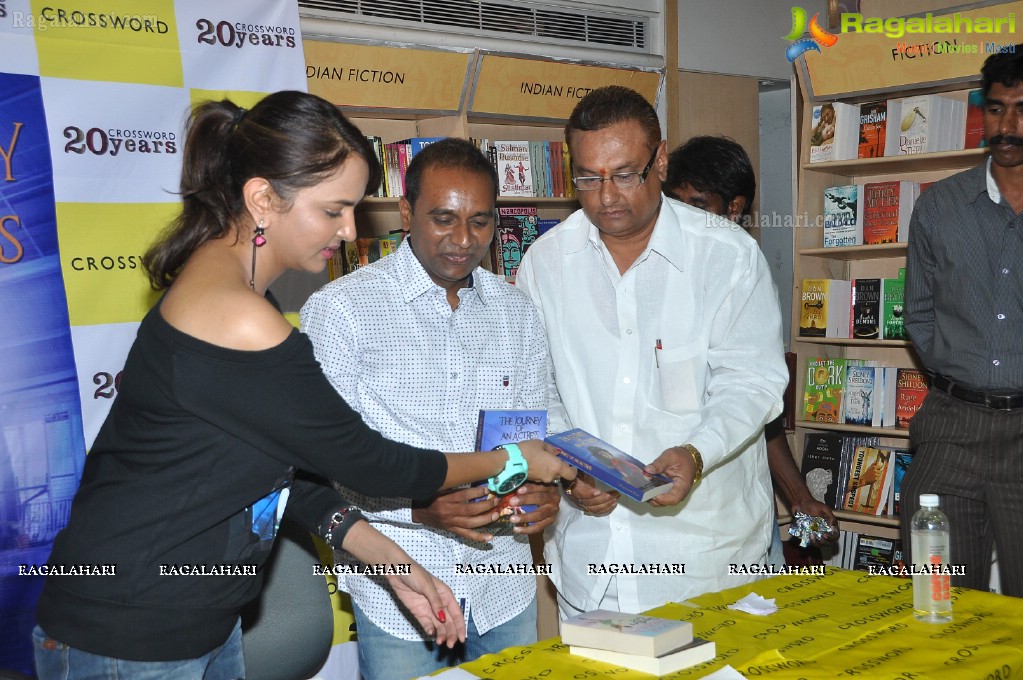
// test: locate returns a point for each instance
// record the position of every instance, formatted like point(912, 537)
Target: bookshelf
point(811, 260)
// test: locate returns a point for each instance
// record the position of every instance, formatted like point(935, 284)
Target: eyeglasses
point(622, 180)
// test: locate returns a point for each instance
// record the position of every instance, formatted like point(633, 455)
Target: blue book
point(416, 144)
point(497, 427)
point(608, 464)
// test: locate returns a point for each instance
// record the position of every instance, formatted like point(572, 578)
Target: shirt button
point(454, 375)
point(618, 527)
point(1001, 316)
point(1005, 271)
point(626, 381)
point(628, 331)
point(996, 362)
point(625, 428)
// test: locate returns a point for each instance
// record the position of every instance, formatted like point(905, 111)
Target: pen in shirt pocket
point(657, 351)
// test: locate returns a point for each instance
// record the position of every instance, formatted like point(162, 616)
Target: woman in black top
point(223, 420)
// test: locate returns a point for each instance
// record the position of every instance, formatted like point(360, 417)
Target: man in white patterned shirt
point(418, 342)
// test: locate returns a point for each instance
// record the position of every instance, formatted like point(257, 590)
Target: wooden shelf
point(857, 252)
point(854, 342)
point(881, 520)
point(855, 429)
point(943, 160)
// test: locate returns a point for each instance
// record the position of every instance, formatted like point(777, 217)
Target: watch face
point(512, 483)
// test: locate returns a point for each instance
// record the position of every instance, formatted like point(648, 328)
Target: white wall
point(738, 37)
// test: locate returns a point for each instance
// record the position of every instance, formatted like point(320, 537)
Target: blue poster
point(42, 448)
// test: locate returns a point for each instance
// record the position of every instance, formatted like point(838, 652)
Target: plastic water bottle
point(932, 598)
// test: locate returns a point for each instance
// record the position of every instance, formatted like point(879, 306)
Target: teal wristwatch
point(513, 474)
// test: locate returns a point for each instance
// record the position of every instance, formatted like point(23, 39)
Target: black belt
point(1002, 402)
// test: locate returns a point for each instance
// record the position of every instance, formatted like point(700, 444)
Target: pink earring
point(259, 240)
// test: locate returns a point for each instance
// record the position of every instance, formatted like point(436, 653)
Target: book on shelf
point(822, 392)
point(873, 124)
point(629, 633)
point(826, 308)
point(496, 427)
point(924, 123)
point(417, 144)
point(861, 403)
point(843, 216)
point(973, 137)
point(515, 231)
point(889, 399)
point(696, 652)
point(887, 207)
point(874, 551)
point(514, 168)
point(893, 296)
point(866, 309)
point(869, 472)
point(609, 465)
point(378, 150)
point(821, 467)
point(911, 388)
point(834, 133)
point(901, 458)
point(543, 225)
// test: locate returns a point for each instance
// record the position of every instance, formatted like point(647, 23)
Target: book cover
point(843, 216)
point(515, 232)
point(823, 389)
point(887, 207)
point(889, 380)
point(822, 393)
point(914, 127)
point(543, 225)
point(417, 144)
point(514, 168)
point(911, 388)
point(873, 123)
point(900, 463)
point(826, 308)
point(893, 295)
point(860, 399)
point(822, 133)
point(609, 465)
point(865, 490)
point(628, 633)
point(822, 467)
point(866, 309)
point(496, 427)
point(696, 652)
point(874, 551)
point(974, 133)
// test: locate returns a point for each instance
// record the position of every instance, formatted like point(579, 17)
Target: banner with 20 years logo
point(93, 98)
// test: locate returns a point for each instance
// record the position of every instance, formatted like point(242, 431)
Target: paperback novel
point(609, 465)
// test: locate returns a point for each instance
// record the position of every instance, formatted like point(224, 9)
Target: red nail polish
point(442, 616)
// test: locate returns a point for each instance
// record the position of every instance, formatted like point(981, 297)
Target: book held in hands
point(497, 427)
point(609, 465)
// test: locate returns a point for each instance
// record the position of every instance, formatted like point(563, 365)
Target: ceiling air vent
point(577, 23)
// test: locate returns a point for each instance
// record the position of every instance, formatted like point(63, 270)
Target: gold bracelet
point(698, 459)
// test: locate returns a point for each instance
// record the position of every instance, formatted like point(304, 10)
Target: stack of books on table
point(643, 643)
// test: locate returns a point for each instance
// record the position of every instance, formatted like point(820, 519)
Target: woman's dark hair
point(292, 139)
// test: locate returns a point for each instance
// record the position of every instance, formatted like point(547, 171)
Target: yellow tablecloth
point(843, 624)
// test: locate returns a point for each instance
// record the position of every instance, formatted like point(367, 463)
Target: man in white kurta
point(631, 272)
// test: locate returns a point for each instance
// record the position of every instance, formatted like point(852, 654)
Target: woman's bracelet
point(338, 525)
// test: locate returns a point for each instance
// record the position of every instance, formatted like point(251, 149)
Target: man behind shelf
point(715, 174)
point(418, 342)
point(964, 314)
point(665, 340)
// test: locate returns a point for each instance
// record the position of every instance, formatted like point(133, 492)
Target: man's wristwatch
point(513, 474)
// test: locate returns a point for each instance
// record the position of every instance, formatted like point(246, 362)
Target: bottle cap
point(929, 500)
